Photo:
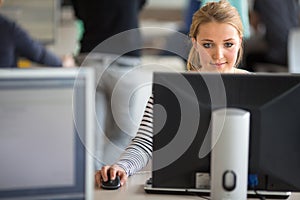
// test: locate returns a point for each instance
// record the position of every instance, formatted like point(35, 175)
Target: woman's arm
point(139, 152)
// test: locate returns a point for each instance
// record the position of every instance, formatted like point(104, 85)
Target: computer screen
point(183, 103)
point(44, 135)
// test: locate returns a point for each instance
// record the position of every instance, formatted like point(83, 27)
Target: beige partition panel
point(39, 17)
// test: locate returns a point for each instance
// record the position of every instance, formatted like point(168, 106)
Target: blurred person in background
point(273, 19)
point(16, 43)
point(106, 18)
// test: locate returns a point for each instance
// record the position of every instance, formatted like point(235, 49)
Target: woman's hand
point(114, 170)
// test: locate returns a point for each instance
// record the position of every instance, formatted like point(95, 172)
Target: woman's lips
point(219, 64)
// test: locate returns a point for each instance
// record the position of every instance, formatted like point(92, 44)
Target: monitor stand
point(229, 155)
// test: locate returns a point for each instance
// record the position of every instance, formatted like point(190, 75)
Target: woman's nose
point(218, 53)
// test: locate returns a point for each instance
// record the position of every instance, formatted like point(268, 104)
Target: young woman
point(216, 32)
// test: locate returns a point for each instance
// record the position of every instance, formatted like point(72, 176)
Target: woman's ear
point(241, 41)
point(195, 44)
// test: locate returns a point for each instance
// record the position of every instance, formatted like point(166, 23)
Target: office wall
point(42, 25)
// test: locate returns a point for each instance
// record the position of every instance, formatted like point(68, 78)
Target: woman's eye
point(207, 45)
point(228, 44)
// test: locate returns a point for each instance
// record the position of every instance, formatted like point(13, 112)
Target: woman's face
point(218, 45)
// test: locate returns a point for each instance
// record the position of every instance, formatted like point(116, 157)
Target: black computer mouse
point(111, 184)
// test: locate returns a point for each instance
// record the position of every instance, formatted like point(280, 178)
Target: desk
point(134, 190)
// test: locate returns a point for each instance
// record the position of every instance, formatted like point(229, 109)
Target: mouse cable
point(261, 197)
point(201, 196)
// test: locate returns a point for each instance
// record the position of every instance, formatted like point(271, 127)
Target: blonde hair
point(221, 12)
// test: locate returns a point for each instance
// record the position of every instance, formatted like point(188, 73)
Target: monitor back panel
point(182, 112)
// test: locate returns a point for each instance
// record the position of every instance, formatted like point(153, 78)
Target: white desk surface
point(134, 190)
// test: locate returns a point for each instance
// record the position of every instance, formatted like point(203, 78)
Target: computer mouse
point(111, 184)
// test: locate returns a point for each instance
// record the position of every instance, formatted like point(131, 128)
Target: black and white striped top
point(139, 152)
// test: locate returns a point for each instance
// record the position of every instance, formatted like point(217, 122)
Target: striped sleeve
point(139, 152)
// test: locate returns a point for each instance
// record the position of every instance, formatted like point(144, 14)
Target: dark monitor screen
point(42, 145)
point(183, 103)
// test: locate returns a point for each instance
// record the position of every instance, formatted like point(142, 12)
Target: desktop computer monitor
point(46, 134)
point(183, 103)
